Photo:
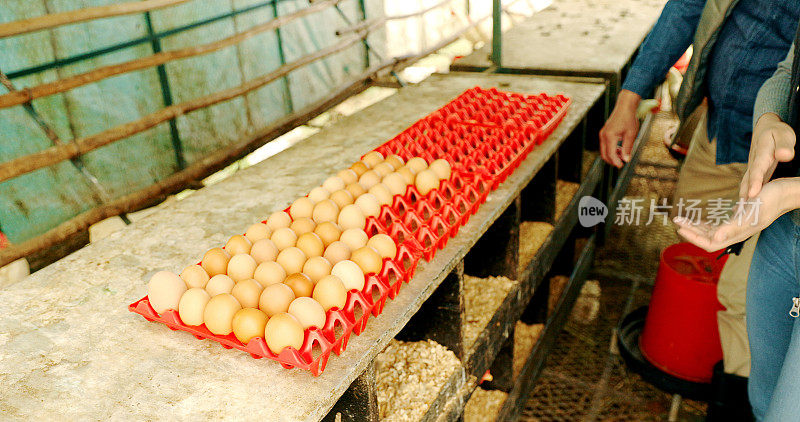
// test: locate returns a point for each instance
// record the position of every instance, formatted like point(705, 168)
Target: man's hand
point(775, 199)
point(773, 142)
point(623, 126)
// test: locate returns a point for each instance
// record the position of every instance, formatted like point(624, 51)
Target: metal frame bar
point(288, 101)
point(166, 96)
point(497, 32)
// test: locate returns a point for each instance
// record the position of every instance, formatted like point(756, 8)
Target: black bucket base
point(628, 334)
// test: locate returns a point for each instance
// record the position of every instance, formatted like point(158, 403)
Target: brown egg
point(372, 158)
point(268, 273)
point(330, 292)
point(383, 169)
point(351, 217)
point(195, 276)
point(318, 194)
point(411, 169)
point(369, 204)
point(282, 331)
point(215, 261)
point(348, 176)
point(350, 273)
point(257, 232)
point(247, 293)
point(369, 179)
point(241, 267)
point(164, 291)
point(264, 250)
point(395, 160)
point(325, 210)
point(308, 311)
point(311, 245)
point(384, 244)
point(382, 194)
point(395, 183)
point(249, 323)
point(417, 164)
point(302, 226)
point(426, 181)
point(219, 284)
point(275, 299)
point(316, 268)
point(284, 238)
point(238, 244)
point(300, 284)
point(407, 174)
point(219, 312)
point(333, 183)
point(279, 219)
point(368, 259)
point(442, 168)
point(292, 260)
point(356, 189)
point(192, 305)
point(342, 198)
point(359, 168)
point(301, 208)
point(329, 232)
point(354, 238)
point(337, 251)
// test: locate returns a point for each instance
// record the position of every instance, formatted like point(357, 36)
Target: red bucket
point(680, 335)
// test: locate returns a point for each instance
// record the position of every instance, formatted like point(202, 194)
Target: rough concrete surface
point(69, 348)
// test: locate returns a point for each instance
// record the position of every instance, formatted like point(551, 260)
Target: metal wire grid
point(584, 378)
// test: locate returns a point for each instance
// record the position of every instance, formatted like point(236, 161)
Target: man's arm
point(664, 45)
point(668, 40)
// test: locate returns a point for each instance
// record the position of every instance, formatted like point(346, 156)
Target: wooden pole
point(65, 84)
point(198, 170)
point(58, 153)
point(53, 20)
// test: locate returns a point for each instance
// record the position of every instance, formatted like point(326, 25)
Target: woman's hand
point(773, 142)
point(773, 200)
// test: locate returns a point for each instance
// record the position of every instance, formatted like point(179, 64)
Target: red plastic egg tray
point(484, 135)
point(319, 342)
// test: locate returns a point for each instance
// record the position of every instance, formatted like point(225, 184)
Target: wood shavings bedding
point(410, 376)
point(532, 235)
point(482, 297)
point(565, 191)
point(587, 305)
point(588, 160)
point(484, 405)
point(525, 337)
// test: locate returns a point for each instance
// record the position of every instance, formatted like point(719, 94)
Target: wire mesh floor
point(585, 378)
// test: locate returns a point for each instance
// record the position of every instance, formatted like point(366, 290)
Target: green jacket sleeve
point(773, 97)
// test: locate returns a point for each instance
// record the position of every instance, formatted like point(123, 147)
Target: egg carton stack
point(441, 169)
